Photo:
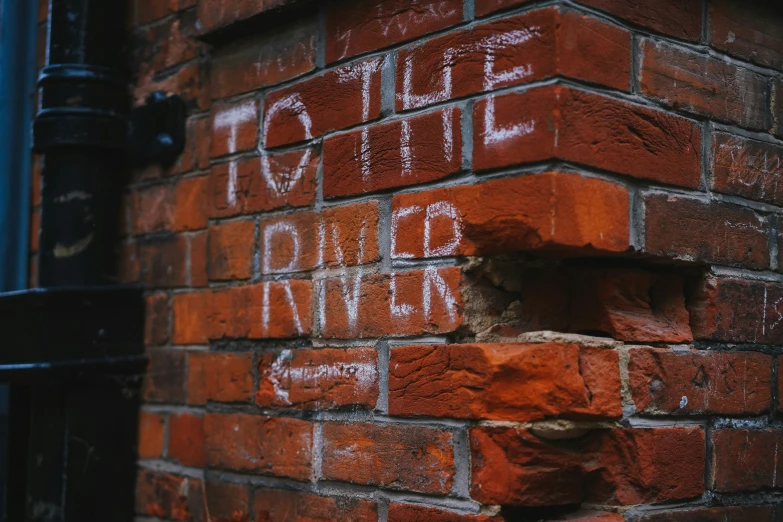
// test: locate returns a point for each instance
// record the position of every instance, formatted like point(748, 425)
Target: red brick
point(35, 230)
point(286, 506)
point(197, 146)
point(168, 496)
point(340, 236)
point(320, 379)
point(716, 316)
point(189, 313)
point(671, 17)
point(156, 325)
point(216, 14)
point(513, 51)
point(592, 516)
point(220, 377)
point(714, 232)
point(407, 303)
point(694, 382)
point(719, 514)
point(746, 460)
point(151, 435)
point(485, 7)
point(164, 45)
point(163, 261)
point(358, 27)
point(280, 309)
point(152, 209)
point(128, 269)
point(227, 502)
point(395, 154)
point(539, 211)
point(512, 466)
point(259, 62)
point(234, 127)
point(266, 183)
point(333, 100)
point(198, 260)
point(190, 204)
point(262, 445)
point(748, 31)
point(165, 377)
point(230, 252)
point(150, 10)
point(186, 439)
point(704, 85)
point(629, 305)
point(776, 99)
point(564, 123)
point(479, 381)
point(747, 168)
point(411, 458)
point(415, 513)
point(190, 82)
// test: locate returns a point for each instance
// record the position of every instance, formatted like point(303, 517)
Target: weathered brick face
point(461, 261)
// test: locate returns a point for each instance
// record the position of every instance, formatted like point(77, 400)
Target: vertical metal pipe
point(81, 129)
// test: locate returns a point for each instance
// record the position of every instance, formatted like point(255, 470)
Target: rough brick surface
point(666, 382)
point(230, 250)
point(168, 496)
point(481, 381)
point(569, 124)
point(619, 466)
point(152, 428)
point(413, 458)
point(220, 377)
point(671, 17)
point(747, 168)
point(186, 439)
point(227, 502)
point(318, 379)
point(724, 514)
point(746, 460)
point(413, 513)
point(283, 506)
point(749, 32)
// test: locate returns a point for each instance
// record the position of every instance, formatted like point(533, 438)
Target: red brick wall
point(446, 260)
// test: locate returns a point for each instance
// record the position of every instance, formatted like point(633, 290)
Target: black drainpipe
point(73, 349)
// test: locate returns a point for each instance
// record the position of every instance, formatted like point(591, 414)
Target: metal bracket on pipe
point(156, 132)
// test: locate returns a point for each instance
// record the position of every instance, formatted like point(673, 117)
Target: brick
point(629, 305)
point(671, 17)
point(703, 85)
point(186, 439)
point(151, 435)
point(220, 377)
point(747, 168)
point(156, 324)
point(164, 45)
point(197, 276)
point(718, 514)
point(152, 209)
point(217, 14)
point(477, 381)
point(322, 379)
point(234, 127)
point(230, 250)
point(251, 64)
point(564, 123)
point(714, 232)
point(415, 513)
point(128, 270)
point(583, 516)
point(776, 100)
point(512, 466)
point(190, 82)
point(695, 382)
point(165, 377)
point(358, 27)
point(278, 447)
point(716, 316)
point(189, 312)
point(746, 460)
point(251, 185)
point(751, 32)
point(310, 108)
point(539, 211)
point(485, 7)
point(150, 10)
point(197, 146)
point(227, 502)
point(411, 458)
point(283, 506)
point(168, 496)
point(274, 310)
point(190, 204)
point(405, 152)
point(409, 303)
point(163, 261)
point(339, 236)
point(513, 51)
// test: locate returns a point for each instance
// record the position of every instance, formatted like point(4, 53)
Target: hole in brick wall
point(536, 514)
point(625, 299)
